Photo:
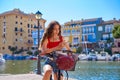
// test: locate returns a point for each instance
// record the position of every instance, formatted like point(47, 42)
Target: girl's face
point(56, 30)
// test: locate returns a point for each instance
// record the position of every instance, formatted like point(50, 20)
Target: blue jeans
point(52, 63)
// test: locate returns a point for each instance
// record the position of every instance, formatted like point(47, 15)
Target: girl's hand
point(61, 45)
point(42, 54)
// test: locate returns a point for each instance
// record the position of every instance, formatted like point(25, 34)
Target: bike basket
point(66, 62)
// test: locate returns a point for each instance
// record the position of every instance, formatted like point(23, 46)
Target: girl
point(52, 41)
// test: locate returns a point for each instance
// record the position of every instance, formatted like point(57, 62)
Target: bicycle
point(69, 65)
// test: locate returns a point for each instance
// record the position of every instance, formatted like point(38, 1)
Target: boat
point(103, 56)
point(82, 57)
point(2, 60)
point(92, 56)
point(116, 57)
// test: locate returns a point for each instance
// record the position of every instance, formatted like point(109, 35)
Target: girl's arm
point(66, 45)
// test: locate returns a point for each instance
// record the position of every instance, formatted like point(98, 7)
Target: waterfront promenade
point(22, 77)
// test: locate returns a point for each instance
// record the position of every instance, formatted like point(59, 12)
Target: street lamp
point(38, 16)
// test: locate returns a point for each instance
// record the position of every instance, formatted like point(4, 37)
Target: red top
point(54, 44)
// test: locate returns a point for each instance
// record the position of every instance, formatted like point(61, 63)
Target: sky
point(66, 10)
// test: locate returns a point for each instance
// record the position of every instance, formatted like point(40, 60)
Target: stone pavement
point(22, 77)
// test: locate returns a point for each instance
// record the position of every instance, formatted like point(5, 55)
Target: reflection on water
point(18, 67)
point(86, 70)
point(97, 71)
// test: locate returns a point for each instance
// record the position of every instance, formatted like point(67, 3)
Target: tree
point(79, 50)
point(30, 53)
point(36, 53)
point(13, 49)
point(116, 31)
point(109, 50)
point(19, 51)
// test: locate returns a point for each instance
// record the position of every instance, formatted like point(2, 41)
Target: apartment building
point(16, 30)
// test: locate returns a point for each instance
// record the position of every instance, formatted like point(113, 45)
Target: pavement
point(22, 77)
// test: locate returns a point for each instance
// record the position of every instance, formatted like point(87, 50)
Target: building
point(105, 32)
point(88, 33)
point(16, 30)
point(81, 32)
point(35, 38)
point(72, 33)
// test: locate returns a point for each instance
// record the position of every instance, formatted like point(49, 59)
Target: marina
point(84, 70)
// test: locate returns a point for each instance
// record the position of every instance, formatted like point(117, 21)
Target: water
point(93, 70)
point(85, 70)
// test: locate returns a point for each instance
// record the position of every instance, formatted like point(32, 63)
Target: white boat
point(82, 57)
point(2, 60)
point(103, 56)
point(116, 57)
point(92, 56)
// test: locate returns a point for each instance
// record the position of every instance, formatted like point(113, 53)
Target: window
point(76, 40)
point(28, 30)
point(16, 16)
point(83, 31)
point(16, 40)
point(73, 31)
point(4, 29)
point(94, 36)
point(21, 34)
point(3, 48)
point(100, 28)
point(108, 28)
point(3, 35)
point(68, 31)
point(16, 22)
point(9, 47)
point(105, 36)
point(16, 29)
point(86, 29)
point(92, 29)
point(21, 30)
point(28, 25)
point(111, 36)
point(20, 23)
point(4, 23)
point(31, 26)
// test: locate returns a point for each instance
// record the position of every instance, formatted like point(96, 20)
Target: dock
point(22, 77)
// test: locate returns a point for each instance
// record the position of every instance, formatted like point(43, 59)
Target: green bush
point(79, 50)
point(30, 53)
point(36, 53)
point(109, 50)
